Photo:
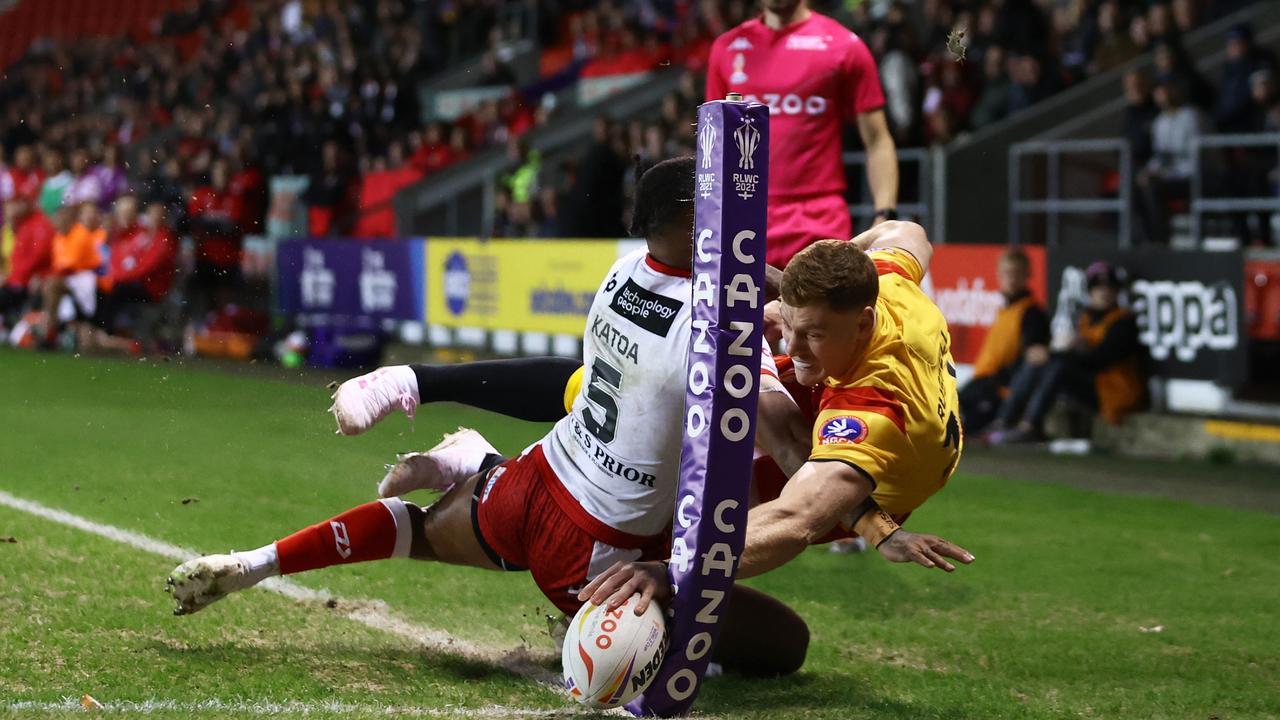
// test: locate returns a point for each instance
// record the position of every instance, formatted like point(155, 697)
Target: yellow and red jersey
point(896, 416)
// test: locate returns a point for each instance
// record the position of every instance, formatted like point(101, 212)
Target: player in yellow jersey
point(876, 353)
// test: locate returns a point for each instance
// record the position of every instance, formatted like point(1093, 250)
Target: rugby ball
point(611, 656)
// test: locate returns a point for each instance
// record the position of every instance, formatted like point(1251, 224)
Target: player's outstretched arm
point(901, 235)
point(815, 500)
point(812, 502)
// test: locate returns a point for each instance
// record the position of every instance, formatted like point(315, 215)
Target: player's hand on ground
point(625, 579)
point(927, 550)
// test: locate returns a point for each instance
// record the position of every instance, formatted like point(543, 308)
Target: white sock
point(262, 563)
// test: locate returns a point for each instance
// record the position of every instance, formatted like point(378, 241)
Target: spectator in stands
point(900, 78)
point(495, 72)
point(1030, 85)
point(1167, 175)
point(25, 177)
point(1160, 25)
point(548, 212)
point(1172, 63)
point(1140, 112)
point(141, 271)
point(111, 177)
point(948, 92)
point(1020, 26)
point(214, 215)
point(86, 186)
point(1101, 368)
point(1185, 15)
point(1263, 101)
point(164, 186)
point(1233, 112)
point(328, 194)
point(6, 186)
point(26, 246)
point(1114, 45)
point(993, 103)
point(523, 180)
point(70, 290)
point(56, 181)
point(595, 207)
point(1019, 335)
point(433, 152)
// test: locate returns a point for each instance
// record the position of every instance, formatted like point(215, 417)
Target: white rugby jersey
point(618, 451)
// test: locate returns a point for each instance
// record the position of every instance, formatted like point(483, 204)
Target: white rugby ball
point(610, 657)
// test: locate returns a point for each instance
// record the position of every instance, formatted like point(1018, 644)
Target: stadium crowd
point(950, 68)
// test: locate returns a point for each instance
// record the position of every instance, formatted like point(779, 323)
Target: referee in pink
point(815, 75)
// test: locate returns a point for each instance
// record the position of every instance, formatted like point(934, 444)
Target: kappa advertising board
point(963, 284)
point(1189, 307)
point(378, 280)
point(527, 286)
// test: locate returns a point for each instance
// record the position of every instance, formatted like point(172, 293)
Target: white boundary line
point(374, 614)
point(249, 707)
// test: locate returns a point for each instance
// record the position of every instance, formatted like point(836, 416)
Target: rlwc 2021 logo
point(707, 139)
point(707, 142)
point(747, 138)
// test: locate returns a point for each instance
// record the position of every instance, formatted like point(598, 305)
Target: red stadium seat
point(32, 19)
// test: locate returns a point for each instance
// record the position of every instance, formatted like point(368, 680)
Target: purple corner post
point(710, 523)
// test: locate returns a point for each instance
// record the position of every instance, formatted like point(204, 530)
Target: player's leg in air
point(379, 530)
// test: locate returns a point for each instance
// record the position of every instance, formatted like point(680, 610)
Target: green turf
point(1046, 624)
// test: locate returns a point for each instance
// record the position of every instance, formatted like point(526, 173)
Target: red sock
point(373, 531)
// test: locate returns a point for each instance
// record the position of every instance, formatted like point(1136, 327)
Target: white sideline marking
point(248, 707)
point(374, 614)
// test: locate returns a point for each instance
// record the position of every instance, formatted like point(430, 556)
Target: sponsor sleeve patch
point(645, 308)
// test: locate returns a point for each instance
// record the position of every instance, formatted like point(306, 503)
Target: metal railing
point(1053, 205)
point(864, 210)
point(1200, 205)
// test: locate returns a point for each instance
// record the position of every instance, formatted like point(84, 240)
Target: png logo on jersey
point(843, 430)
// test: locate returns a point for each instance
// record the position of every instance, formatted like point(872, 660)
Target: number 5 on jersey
point(603, 377)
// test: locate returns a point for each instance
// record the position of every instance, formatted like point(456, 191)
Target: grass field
point(1048, 623)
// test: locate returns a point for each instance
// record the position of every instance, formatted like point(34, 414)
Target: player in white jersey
point(599, 489)
point(613, 451)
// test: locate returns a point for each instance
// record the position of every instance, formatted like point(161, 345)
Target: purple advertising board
point(350, 281)
point(710, 522)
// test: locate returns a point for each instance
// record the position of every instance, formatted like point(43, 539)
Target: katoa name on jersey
point(615, 339)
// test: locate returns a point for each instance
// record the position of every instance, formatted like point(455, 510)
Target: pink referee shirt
point(814, 76)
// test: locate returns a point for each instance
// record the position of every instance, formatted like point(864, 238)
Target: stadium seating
point(29, 20)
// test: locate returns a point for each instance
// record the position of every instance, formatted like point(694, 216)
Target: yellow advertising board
point(523, 285)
